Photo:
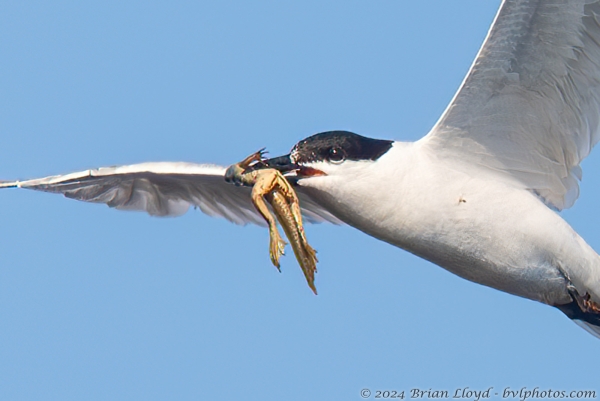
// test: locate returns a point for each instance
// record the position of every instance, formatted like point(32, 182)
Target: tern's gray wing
point(165, 189)
point(529, 107)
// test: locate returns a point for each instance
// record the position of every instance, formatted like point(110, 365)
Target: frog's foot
point(309, 269)
point(311, 253)
point(276, 248)
point(308, 263)
point(254, 157)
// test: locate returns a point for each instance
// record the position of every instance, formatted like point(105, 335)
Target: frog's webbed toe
point(309, 270)
point(276, 247)
point(310, 252)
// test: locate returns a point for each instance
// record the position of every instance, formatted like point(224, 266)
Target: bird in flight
point(478, 195)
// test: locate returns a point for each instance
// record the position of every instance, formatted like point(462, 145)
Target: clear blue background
point(97, 304)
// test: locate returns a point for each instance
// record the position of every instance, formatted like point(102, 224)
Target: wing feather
point(529, 106)
point(165, 189)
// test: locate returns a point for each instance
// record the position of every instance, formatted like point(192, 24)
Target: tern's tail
point(585, 317)
point(590, 328)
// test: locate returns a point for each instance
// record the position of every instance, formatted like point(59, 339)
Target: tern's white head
point(344, 172)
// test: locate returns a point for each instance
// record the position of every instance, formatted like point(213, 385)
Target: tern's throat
point(380, 197)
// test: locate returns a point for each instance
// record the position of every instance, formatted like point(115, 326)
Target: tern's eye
point(336, 155)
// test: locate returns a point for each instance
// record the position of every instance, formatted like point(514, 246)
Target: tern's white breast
point(483, 229)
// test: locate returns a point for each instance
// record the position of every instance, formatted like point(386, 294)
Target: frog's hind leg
point(276, 243)
point(306, 255)
point(292, 200)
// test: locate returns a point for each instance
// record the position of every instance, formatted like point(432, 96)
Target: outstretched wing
point(165, 189)
point(529, 106)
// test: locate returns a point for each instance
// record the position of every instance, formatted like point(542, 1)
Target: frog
point(269, 185)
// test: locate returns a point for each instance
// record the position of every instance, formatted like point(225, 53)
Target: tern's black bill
point(281, 163)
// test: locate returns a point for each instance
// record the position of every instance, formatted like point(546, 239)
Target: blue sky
point(98, 304)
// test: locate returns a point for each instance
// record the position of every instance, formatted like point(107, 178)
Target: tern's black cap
point(337, 146)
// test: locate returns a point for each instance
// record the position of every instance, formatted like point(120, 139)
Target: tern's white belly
point(484, 231)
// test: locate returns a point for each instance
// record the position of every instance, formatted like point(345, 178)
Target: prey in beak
point(272, 184)
point(269, 185)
